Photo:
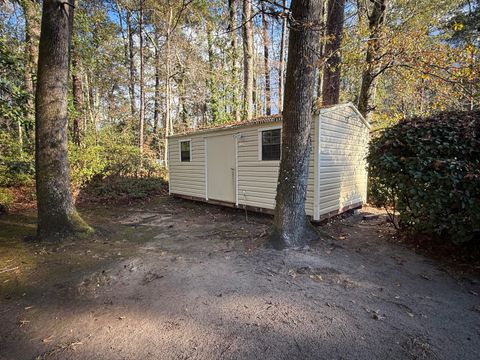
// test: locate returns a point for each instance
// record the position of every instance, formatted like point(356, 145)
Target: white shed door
point(221, 168)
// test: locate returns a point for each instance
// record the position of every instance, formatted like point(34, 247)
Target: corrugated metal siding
point(187, 178)
point(343, 145)
point(257, 179)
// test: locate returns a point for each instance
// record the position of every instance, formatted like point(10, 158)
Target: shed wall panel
point(187, 178)
point(343, 168)
point(257, 179)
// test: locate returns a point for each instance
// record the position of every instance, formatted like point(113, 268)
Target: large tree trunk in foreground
point(291, 227)
point(368, 88)
point(247, 59)
point(57, 215)
point(332, 69)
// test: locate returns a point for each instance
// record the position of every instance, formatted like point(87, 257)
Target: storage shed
point(237, 164)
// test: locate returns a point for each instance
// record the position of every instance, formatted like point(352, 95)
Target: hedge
point(429, 170)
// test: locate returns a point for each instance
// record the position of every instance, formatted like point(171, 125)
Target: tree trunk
point(157, 113)
point(168, 126)
point(255, 103)
point(142, 83)
point(31, 13)
point(128, 56)
point(131, 58)
point(182, 96)
point(247, 60)
point(332, 69)
point(212, 86)
point(57, 215)
point(232, 6)
point(321, 52)
point(281, 70)
point(266, 64)
point(77, 94)
point(291, 227)
point(368, 88)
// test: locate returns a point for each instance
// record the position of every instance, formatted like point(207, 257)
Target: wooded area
point(106, 104)
point(128, 74)
point(144, 69)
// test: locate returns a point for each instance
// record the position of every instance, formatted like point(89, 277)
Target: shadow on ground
point(178, 280)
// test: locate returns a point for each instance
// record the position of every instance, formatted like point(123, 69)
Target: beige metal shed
point(237, 164)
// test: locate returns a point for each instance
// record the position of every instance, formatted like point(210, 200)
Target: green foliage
point(117, 188)
point(108, 154)
point(429, 169)
point(13, 97)
point(17, 168)
point(5, 200)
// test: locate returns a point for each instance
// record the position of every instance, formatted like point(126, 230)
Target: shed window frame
point(189, 141)
point(260, 142)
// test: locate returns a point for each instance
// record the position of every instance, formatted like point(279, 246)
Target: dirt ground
point(175, 279)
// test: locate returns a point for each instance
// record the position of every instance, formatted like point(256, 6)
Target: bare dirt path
point(179, 280)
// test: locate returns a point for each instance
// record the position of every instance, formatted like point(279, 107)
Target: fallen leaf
point(48, 339)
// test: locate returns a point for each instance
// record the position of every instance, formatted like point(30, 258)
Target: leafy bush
point(429, 170)
point(5, 200)
point(118, 189)
point(17, 168)
point(108, 155)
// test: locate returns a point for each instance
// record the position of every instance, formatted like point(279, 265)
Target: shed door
point(221, 168)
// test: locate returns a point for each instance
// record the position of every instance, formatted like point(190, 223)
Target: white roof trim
point(340, 106)
point(266, 121)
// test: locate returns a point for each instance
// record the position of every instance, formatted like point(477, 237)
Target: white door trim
point(206, 167)
point(316, 167)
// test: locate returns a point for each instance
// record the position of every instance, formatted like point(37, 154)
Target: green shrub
point(85, 163)
point(5, 200)
point(429, 170)
point(117, 188)
point(17, 168)
point(109, 154)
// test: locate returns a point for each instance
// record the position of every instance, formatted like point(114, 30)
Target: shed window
point(185, 151)
point(271, 144)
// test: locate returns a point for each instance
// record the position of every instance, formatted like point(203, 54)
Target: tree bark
point(142, 83)
point(31, 13)
point(78, 98)
point(211, 83)
point(168, 126)
point(321, 66)
point(128, 55)
point(131, 62)
point(232, 6)
point(57, 215)
point(332, 69)
point(291, 227)
point(368, 88)
point(247, 60)
point(182, 97)
point(157, 113)
point(266, 63)
point(281, 70)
